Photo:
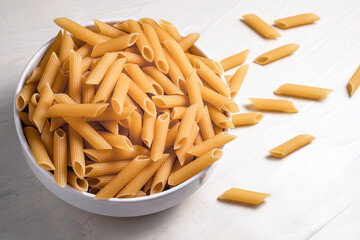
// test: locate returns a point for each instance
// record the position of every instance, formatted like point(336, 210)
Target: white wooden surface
point(315, 191)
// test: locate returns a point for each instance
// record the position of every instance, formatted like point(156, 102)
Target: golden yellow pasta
point(23, 97)
point(109, 115)
point(158, 88)
point(66, 45)
point(234, 60)
point(111, 125)
point(120, 93)
point(79, 184)
point(115, 154)
point(243, 196)
point(291, 145)
point(302, 91)
point(47, 137)
point(181, 153)
point(237, 80)
point(179, 57)
point(195, 95)
point(76, 110)
point(276, 54)
point(175, 73)
point(298, 20)
point(260, 26)
point(162, 34)
point(160, 179)
point(171, 136)
point(160, 132)
point(114, 45)
point(218, 100)
point(24, 117)
point(35, 75)
point(75, 76)
point(219, 118)
point(46, 100)
point(177, 112)
point(194, 167)
point(60, 157)
point(206, 128)
point(123, 26)
point(38, 149)
point(99, 71)
point(50, 71)
point(242, 119)
point(77, 158)
point(140, 78)
point(54, 47)
point(170, 29)
point(135, 59)
point(278, 105)
point(354, 82)
point(168, 86)
point(147, 134)
point(105, 168)
point(185, 126)
point(60, 82)
point(188, 41)
point(107, 30)
point(217, 141)
point(135, 128)
point(122, 178)
point(99, 181)
point(213, 65)
point(117, 141)
point(142, 42)
point(170, 101)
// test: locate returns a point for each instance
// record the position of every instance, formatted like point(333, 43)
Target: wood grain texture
point(315, 191)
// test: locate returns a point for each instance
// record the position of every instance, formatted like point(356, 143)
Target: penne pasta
point(108, 83)
point(218, 100)
point(115, 154)
point(38, 150)
point(302, 91)
point(123, 26)
point(76, 110)
point(79, 184)
point(175, 73)
point(170, 101)
point(243, 196)
point(148, 184)
point(219, 118)
point(278, 105)
point(60, 82)
point(159, 55)
point(354, 82)
point(140, 78)
point(76, 147)
point(112, 126)
point(162, 174)
point(107, 30)
point(166, 84)
point(237, 80)
point(216, 67)
point(47, 137)
point(134, 186)
point(60, 160)
point(188, 41)
point(142, 42)
point(179, 57)
point(54, 47)
point(261, 27)
point(35, 75)
point(99, 71)
point(206, 128)
point(276, 54)
point(117, 141)
point(147, 134)
point(182, 153)
point(160, 132)
point(120, 92)
point(80, 32)
point(110, 115)
point(24, 117)
point(24, 96)
point(67, 44)
point(177, 112)
point(170, 29)
point(171, 136)
point(194, 167)
point(211, 78)
point(234, 60)
point(88, 133)
point(75, 76)
point(94, 190)
point(134, 58)
point(242, 119)
point(50, 71)
point(122, 178)
point(298, 20)
point(88, 91)
point(228, 78)
point(198, 139)
point(162, 34)
point(114, 45)
point(194, 92)
point(158, 88)
point(46, 100)
point(100, 181)
point(185, 126)
point(217, 141)
point(135, 128)
point(291, 145)
point(105, 168)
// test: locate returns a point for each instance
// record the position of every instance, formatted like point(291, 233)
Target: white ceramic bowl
point(115, 207)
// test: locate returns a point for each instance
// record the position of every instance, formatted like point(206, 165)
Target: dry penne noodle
point(120, 93)
point(242, 119)
point(134, 186)
point(194, 92)
point(109, 115)
point(75, 76)
point(54, 47)
point(147, 134)
point(31, 108)
point(260, 26)
point(181, 153)
point(170, 29)
point(206, 128)
point(162, 34)
point(158, 88)
point(291, 145)
point(135, 128)
point(211, 78)
point(354, 82)
point(198, 139)
point(99, 181)
point(47, 137)
point(243, 196)
point(100, 69)
point(107, 30)
point(46, 100)
point(117, 141)
point(148, 184)
point(175, 73)
point(276, 54)
point(24, 117)
point(159, 55)
point(112, 126)
point(60, 160)
point(179, 57)
point(135, 58)
point(216, 67)
point(228, 78)
point(140, 78)
point(278, 105)
point(38, 149)
point(237, 80)
point(123, 26)
point(80, 32)
point(77, 158)
point(105, 168)
point(162, 174)
point(194, 167)
point(35, 75)
point(114, 45)
point(134, 49)
point(84, 51)
point(142, 42)
point(115, 154)
point(108, 83)
point(302, 91)
point(88, 133)
point(168, 86)
point(219, 118)
point(171, 136)
point(24, 96)
point(60, 82)
point(188, 41)
point(94, 190)
point(177, 112)
point(66, 45)
point(218, 100)
point(185, 126)
point(170, 101)
point(160, 132)
point(79, 184)
point(122, 178)
point(298, 20)
point(50, 71)
point(76, 110)
point(217, 141)
point(87, 91)
point(234, 60)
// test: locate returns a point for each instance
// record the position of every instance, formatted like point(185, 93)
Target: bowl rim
point(19, 129)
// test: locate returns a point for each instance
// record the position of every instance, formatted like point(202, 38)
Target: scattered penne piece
point(295, 21)
point(261, 27)
point(354, 82)
point(276, 54)
point(277, 105)
point(243, 196)
point(291, 145)
point(234, 60)
point(242, 119)
point(302, 91)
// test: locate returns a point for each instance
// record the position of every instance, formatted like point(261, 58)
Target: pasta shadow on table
point(272, 158)
point(246, 205)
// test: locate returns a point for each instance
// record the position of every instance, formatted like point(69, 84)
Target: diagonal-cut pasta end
point(158, 187)
point(262, 60)
point(79, 170)
point(231, 107)
point(242, 196)
point(281, 24)
point(351, 88)
point(116, 106)
point(88, 171)
point(276, 154)
point(162, 65)
point(46, 166)
point(150, 107)
point(101, 109)
point(132, 39)
point(82, 184)
point(147, 53)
